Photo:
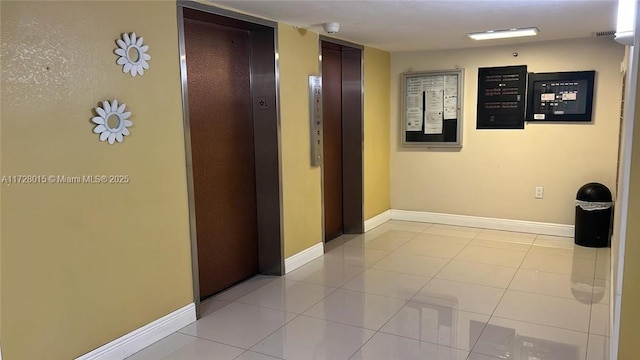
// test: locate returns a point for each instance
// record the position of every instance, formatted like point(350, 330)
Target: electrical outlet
point(539, 192)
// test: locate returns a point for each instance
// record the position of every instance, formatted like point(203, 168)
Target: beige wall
point(495, 173)
point(301, 188)
point(630, 312)
point(84, 264)
point(376, 131)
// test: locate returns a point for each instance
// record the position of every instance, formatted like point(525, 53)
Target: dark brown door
point(332, 133)
point(352, 195)
point(342, 116)
point(222, 151)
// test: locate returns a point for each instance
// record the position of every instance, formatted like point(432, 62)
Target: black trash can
point(594, 207)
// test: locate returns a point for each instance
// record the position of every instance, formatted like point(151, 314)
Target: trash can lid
point(594, 192)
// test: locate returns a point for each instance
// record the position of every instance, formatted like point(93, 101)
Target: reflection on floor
point(410, 290)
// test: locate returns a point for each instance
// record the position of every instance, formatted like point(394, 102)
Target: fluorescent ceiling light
point(503, 34)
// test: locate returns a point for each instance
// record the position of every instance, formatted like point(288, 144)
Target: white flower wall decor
point(132, 54)
point(112, 121)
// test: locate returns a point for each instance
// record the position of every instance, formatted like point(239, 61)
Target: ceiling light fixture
point(503, 34)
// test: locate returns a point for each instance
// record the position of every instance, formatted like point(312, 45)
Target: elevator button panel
point(315, 105)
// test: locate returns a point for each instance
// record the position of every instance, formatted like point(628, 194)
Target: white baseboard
point(377, 220)
point(485, 223)
point(295, 261)
point(139, 339)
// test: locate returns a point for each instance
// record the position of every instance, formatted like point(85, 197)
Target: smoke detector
point(331, 28)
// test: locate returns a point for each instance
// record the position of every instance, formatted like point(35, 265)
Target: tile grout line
point(214, 297)
point(333, 289)
point(528, 251)
point(317, 302)
point(434, 275)
point(520, 268)
point(437, 272)
point(445, 265)
point(412, 298)
point(271, 333)
point(499, 301)
point(530, 247)
point(213, 341)
point(297, 315)
point(591, 305)
point(366, 342)
point(548, 295)
point(407, 301)
point(453, 258)
point(397, 311)
point(379, 331)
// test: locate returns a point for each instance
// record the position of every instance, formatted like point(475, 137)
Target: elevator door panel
point(222, 151)
point(332, 149)
point(352, 177)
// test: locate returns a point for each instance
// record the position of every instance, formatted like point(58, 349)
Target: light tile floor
point(408, 290)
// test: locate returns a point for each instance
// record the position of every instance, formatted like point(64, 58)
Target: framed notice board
point(432, 108)
point(501, 97)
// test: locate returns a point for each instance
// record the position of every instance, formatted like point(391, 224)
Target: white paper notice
point(433, 122)
point(414, 119)
point(434, 100)
point(414, 101)
point(414, 105)
point(433, 83)
point(450, 97)
point(451, 83)
point(433, 87)
point(450, 111)
point(414, 87)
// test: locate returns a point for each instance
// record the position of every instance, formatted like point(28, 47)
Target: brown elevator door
point(222, 152)
point(332, 133)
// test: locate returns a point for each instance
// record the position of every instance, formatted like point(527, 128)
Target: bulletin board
point(432, 108)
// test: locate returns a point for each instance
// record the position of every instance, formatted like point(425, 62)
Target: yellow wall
point(630, 312)
point(495, 173)
point(301, 187)
point(84, 264)
point(376, 131)
point(90, 263)
point(302, 197)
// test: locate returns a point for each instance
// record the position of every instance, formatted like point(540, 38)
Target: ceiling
point(403, 25)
